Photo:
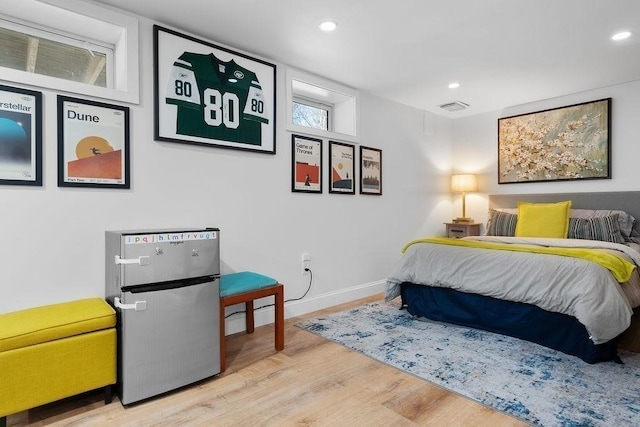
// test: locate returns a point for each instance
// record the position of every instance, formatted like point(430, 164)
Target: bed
point(576, 294)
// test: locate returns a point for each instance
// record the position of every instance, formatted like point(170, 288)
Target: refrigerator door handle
point(142, 260)
point(137, 306)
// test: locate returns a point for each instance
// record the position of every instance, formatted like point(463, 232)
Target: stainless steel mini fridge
point(164, 286)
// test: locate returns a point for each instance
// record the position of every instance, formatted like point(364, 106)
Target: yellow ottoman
point(56, 351)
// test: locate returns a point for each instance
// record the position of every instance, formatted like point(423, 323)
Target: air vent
point(454, 106)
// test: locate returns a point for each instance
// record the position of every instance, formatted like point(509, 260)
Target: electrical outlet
point(305, 260)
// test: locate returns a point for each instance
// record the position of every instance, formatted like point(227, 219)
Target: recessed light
point(621, 35)
point(328, 26)
point(454, 85)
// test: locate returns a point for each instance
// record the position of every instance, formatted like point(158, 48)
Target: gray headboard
point(628, 201)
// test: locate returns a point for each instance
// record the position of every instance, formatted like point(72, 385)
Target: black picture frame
point(306, 164)
point(93, 144)
point(21, 136)
point(559, 144)
point(342, 171)
point(370, 171)
point(206, 94)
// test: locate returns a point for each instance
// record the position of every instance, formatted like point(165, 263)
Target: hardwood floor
point(312, 382)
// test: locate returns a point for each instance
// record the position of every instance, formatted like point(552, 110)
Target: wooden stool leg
point(223, 347)
point(248, 298)
point(250, 320)
point(279, 320)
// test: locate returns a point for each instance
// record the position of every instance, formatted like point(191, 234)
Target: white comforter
point(576, 287)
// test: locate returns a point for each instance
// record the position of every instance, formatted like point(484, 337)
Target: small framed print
point(20, 136)
point(93, 144)
point(341, 168)
point(370, 171)
point(210, 95)
point(306, 164)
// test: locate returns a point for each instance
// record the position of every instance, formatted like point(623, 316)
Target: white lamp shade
point(463, 183)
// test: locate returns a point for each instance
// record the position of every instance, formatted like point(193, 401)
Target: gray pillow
point(501, 224)
point(625, 221)
point(605, 229)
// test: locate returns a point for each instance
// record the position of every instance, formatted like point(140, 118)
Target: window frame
point(41, 33)
point(345, 101)
point(84, 21)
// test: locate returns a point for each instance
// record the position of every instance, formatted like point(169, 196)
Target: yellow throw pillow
point(543, 219)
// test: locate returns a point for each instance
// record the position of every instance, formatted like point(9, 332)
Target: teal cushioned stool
point(245, 287)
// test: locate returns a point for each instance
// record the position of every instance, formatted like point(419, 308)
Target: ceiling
point(502, 52)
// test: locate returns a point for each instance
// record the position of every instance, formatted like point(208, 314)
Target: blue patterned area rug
point(533, 383)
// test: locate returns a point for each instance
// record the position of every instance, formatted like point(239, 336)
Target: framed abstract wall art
point(567, 143)
point(341, 168)
point(370, 171)
point(93, 144)
point(210, 95)
point(20, 136)
point(306, 164)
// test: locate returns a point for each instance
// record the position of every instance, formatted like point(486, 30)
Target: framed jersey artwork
point(207, 94)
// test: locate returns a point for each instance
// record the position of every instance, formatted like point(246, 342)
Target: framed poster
point(370, 171)
point(567, 143)
point(20, 136)
point(93, 144)
point(341, 167)
point(306, 164)
point(210, 95)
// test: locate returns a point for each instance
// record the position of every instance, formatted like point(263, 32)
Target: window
point(76, 47)
point(36, 51)
point(311, 114)
point(320, 107)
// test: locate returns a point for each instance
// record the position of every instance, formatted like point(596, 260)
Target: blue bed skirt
point(525, 321)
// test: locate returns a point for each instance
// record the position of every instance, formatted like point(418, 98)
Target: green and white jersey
point(216, 100)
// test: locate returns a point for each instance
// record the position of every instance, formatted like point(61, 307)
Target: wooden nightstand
point(462, 229)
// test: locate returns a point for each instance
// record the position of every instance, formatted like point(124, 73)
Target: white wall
point(53, 238)
point(475, 142)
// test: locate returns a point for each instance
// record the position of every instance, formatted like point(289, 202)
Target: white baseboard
point(236, 323)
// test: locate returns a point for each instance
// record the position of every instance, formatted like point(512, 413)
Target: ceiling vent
point(454, 106)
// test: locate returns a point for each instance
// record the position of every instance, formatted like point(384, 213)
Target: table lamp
point(462, 183)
